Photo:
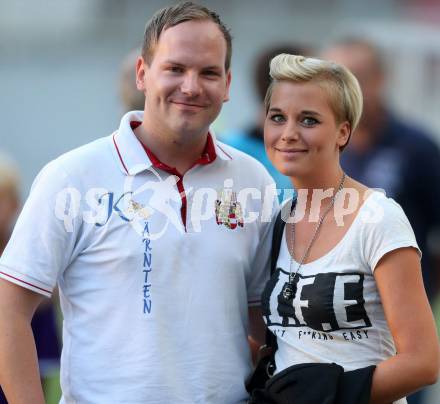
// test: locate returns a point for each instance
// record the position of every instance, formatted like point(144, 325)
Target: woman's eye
point(308, 121)
point(277, 118)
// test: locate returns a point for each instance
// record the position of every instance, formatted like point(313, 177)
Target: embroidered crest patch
point(228, 211)
point(137, 208)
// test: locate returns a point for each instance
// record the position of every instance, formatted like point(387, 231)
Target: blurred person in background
point(131, 98)
point(9, 207)
point(43, 323)
point(251, 140)
point(391, 153)
point(9, 198)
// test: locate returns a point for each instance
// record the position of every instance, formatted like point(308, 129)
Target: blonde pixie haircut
point(342, 87)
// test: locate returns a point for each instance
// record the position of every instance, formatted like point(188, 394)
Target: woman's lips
point(293, 151)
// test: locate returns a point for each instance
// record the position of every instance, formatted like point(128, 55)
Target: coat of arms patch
point(228, 211)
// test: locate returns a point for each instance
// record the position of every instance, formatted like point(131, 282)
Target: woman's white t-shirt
point(336, 314)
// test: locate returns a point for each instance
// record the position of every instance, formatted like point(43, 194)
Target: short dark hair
point(177, 14)
point(261, 70)
point(378, 63)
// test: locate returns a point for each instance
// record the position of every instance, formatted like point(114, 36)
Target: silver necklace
point(289, 288)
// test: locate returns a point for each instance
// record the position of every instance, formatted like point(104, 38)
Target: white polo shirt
point(155, 272)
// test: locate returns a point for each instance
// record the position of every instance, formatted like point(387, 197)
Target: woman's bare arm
point(416, 364)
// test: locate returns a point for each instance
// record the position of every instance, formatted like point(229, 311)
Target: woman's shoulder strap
point(278, 229)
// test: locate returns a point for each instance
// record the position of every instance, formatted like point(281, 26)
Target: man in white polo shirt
point(158, 237)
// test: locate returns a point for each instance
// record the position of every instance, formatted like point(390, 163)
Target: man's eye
point(308, 121)
point(277, 118)
point(175, 69)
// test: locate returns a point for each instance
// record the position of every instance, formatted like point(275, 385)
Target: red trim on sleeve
point(26, 283)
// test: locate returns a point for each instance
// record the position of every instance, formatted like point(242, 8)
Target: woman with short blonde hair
point(346, 287)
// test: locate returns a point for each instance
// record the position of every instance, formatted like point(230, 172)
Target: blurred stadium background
point(60, 63)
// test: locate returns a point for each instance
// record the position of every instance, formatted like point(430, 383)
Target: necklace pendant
point(292, 278)
point(289, 291)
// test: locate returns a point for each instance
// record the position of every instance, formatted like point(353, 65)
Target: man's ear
point(344, 134)
point(228, 85)
point(141, 67)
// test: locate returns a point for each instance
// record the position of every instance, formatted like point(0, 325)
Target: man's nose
point(190, 85)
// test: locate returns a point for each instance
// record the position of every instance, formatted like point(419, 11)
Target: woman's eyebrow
point(308, 112)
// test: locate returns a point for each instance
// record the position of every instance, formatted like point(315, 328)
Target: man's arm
point(19, 374)
point(257, 331)
point(257, 327)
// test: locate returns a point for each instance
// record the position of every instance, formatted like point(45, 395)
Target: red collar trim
point(208, 155)
point(119, 154)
